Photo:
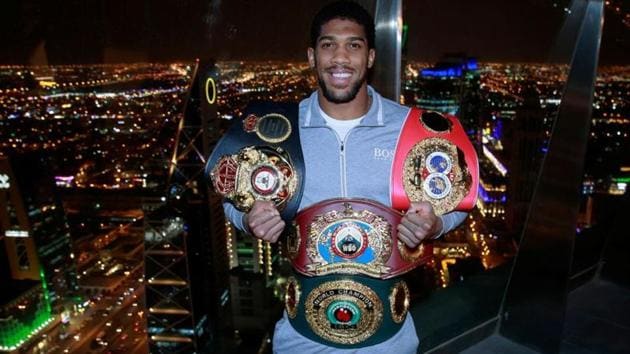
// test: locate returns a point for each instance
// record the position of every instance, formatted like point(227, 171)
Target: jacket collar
point(373, 118)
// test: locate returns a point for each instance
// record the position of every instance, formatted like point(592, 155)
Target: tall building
point(38, 249)
point(24, 310)
point(451, 86)
point(257, 278)
point(171, 325)
point(186, 257)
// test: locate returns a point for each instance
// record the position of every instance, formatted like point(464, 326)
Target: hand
point(264, 221)
point(419, 223)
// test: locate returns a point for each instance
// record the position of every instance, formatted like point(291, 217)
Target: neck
point(356, 108)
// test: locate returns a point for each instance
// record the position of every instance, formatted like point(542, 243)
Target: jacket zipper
point(342, 168)
point(342, 160)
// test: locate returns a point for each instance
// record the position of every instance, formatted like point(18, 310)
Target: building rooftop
point(13, 289)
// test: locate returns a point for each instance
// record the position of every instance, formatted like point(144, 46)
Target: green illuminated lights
point(14, 332)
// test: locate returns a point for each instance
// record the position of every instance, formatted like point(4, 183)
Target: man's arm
point(235, 216)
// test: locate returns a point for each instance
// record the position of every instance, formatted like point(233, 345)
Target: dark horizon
point(75, 32)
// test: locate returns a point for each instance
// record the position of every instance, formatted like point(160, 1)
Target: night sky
point(95, 31)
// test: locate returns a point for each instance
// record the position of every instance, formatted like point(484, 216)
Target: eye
point(355, 45)
point(326, 45)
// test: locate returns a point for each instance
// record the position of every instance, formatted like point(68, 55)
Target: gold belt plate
point(344, 311)
point(255, 173)
point(434, 172)
point(349, 242)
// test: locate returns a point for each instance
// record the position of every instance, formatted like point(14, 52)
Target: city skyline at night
point(113, 241)
point(109, 131)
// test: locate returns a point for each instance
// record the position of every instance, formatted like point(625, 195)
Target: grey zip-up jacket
point(357, 167)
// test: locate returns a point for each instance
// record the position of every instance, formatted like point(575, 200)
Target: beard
point(343, 97)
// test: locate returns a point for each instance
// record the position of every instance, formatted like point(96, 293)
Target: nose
point(341, 55)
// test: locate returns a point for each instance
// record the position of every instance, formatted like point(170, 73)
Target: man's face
point(341, 59)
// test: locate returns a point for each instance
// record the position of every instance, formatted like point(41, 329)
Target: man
point(348, 135)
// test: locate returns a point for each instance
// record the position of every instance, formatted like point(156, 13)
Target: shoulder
point(306, 102)
point(393, 111)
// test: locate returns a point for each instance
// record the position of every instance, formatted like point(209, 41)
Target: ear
point(371, 57)
point(310, 54)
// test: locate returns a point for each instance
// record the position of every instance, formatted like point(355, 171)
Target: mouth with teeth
point(340, 84)
point(340, 78)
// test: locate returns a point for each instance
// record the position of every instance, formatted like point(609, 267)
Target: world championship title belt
point(346, 312)
point(434, 162)
point(351, 236)
point(260, 158)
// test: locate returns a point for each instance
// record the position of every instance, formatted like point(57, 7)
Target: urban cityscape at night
point(99, 138)
point(113, 240)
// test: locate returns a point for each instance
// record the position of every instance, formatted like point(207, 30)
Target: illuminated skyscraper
point(24, 309)
point(452, 87)
point(186, 257)
point(38, 249)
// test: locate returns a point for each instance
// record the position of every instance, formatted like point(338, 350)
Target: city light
point(114, 129)
point(16, 233)
point(495, 162)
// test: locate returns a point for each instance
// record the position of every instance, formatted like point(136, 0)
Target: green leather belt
point(346, 311)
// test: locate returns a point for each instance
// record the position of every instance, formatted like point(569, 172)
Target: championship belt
point(260, 158)
point(434, 162)
point(346, 312)
point(351, 236)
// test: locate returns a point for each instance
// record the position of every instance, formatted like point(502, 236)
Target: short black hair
point(347, 10)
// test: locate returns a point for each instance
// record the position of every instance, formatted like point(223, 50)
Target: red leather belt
point(434, 162)
point(351, 236)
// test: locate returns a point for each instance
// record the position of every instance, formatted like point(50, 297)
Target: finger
point(262, 230)
point(407, 241)
point(419, 233)
point(266, 208)
point(417, 226)
point(415, 220)
point(424, 208)
point(258, 205)
point(420, 206)
point(407, 236)
point(262, 206)
point(411, 244)
point(275, 231)
point(262, 217)
point(267, 205)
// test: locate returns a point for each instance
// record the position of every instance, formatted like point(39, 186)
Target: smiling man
point(347, 244)
point(342, 56)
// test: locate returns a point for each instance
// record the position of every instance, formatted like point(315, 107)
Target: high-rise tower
point(41, 275)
